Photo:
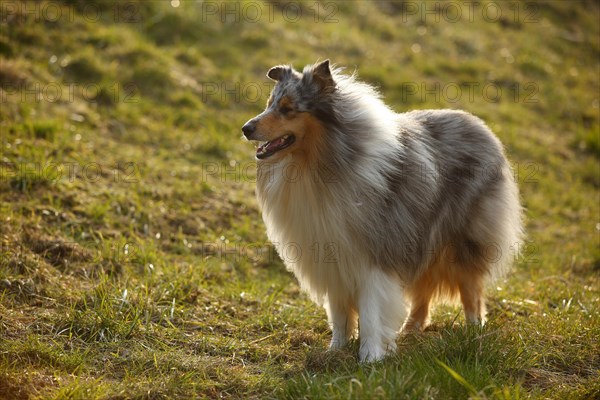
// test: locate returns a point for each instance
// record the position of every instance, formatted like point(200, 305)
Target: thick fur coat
point(379, 213)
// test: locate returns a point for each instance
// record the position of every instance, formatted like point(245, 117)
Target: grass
point(133, 259)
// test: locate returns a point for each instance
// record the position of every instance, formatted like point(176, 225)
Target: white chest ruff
point(309, 231)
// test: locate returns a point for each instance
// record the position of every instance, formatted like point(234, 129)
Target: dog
point(380, 213)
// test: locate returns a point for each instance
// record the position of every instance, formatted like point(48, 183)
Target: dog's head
point(296, 112)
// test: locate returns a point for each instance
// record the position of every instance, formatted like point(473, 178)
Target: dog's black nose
point(248, 128)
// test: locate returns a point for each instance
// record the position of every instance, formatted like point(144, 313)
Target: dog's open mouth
point(267, 149)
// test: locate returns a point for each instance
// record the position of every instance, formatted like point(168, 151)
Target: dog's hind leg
point(420, 295)
point(423, 289)
point(471, 287)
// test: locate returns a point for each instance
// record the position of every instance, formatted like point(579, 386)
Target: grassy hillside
point(133, 259)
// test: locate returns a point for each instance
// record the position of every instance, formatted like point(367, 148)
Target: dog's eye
point(285, 109)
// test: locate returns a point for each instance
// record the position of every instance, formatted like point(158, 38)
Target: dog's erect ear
point(322, 76)
point(278, 72)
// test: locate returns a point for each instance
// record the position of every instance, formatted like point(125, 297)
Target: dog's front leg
point(343, 321)
point(382, 311)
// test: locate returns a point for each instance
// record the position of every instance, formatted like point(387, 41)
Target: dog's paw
point(372, 352)
point(413, 328)
point(336, 345)
point(339, 339)
point(476, 320)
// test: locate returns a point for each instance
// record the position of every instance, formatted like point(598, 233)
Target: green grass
point(133, 259)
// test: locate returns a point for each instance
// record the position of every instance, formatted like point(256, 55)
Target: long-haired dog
point(375, 211)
